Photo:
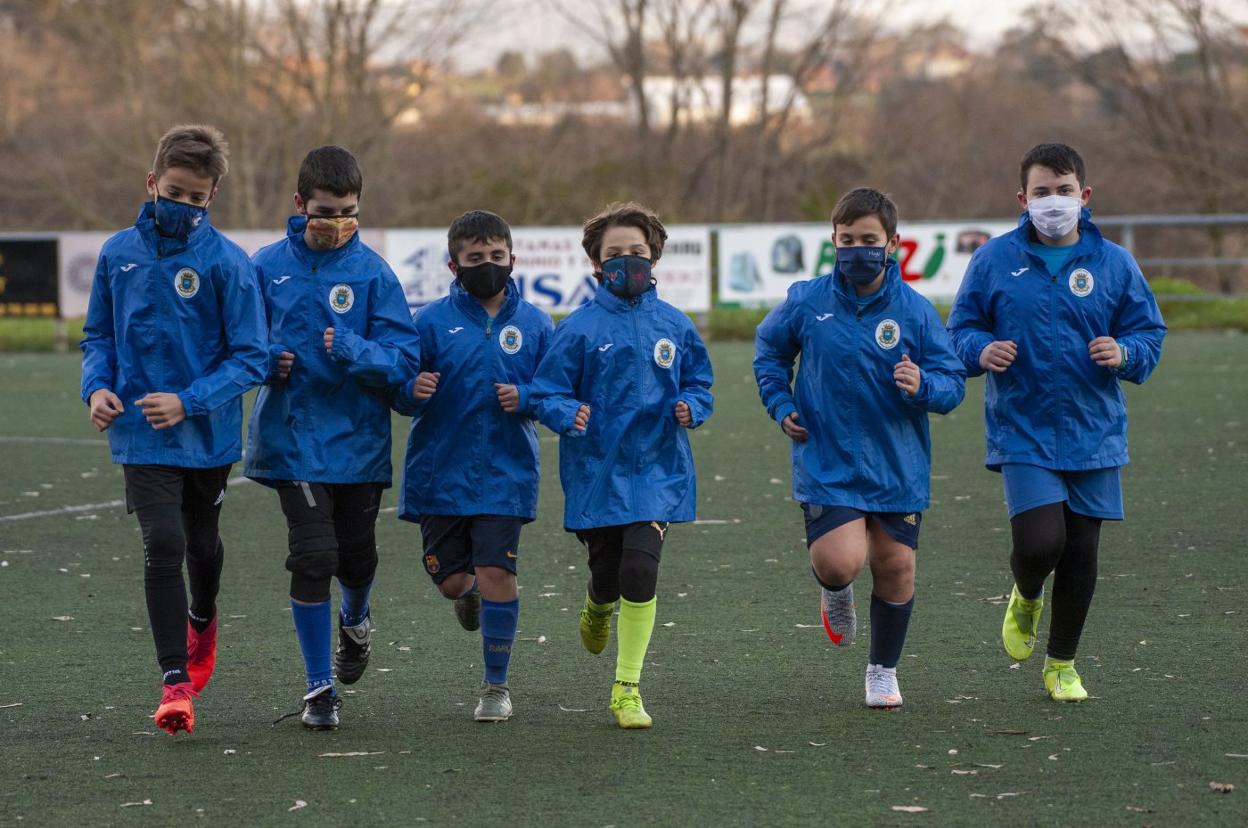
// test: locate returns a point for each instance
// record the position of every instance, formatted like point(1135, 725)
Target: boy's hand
point(161, 409)
point(426, 384)
point(329, 340)
point(1105, 352)
point(582, 418)
point(907, 375)
point(997, 356)
point(683, 415)
point(794, 431)
point(508, 397)
point(285, 361)
point(105, 407)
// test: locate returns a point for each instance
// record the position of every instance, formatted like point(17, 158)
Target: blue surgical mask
point(176, 219)
point(627, 276)
point(861, 265)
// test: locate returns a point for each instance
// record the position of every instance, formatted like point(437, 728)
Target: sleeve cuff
point(188, 403)
point(786, 408)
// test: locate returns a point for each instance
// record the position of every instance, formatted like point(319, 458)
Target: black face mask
point(484, 280)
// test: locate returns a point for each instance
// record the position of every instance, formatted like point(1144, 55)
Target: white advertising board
point(551, 269)
point(758, 262)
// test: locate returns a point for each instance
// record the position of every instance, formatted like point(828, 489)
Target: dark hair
point(331, 169)
point(199, 148)
point(864, 201)
point(624, 214)
point(476, 226)
point(1059, 158)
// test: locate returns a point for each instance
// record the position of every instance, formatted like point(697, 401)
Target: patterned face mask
point(627, 276)
point(176, 219)
point(330, 232)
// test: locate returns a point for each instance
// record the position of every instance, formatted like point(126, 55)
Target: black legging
point(1052, 538)
point(171, 531)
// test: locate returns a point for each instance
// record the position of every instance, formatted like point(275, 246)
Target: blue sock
point(312, 627)
point(354, 607)
point(888, 630)
point(498, 631)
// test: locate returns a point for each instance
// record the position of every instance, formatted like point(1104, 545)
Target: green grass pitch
point(758, 718)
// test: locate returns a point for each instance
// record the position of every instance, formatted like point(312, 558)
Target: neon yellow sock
point(633, 636)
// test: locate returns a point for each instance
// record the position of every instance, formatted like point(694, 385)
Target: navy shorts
point(902, 527)
point(455, 543)
point(1096, 493)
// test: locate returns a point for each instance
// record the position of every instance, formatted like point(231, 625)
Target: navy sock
point(498, 631)
point(889, 622)
point(312, 627)
point(354, 607)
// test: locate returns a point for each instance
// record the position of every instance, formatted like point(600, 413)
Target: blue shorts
point(455, 543)
point(1096, 493)
point(902, 527)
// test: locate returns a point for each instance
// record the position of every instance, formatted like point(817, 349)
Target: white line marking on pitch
point(91, 507)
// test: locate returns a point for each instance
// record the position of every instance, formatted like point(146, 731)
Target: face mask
point(627, 276)
point(861, 265)
point(1054, 216)
point(484, 280)
point(330, 232)
point(176, 220)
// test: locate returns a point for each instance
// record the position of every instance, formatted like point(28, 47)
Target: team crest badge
point(341, 298)
point(887, 334)
point(186, 282)
point(1081, 282)
point(510, 339)
point(664, 353)
point(431, 564)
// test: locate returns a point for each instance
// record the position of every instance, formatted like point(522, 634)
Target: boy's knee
point(313, 552)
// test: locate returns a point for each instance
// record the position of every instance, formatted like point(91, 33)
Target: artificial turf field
point(758, 718)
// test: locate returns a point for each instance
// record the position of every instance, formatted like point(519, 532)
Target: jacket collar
point(609, 301)
point(295, 227)
point(1090, 238)
point(164, 245)
point(887, 292)
point(470, 306)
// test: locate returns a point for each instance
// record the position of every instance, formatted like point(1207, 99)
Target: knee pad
point(313, 552)
point(639, 575)
point(357, 559)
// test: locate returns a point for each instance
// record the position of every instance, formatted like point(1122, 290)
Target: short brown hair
point(865, 201)
point(624, 214)
point(1060, 158)
point(196, 147)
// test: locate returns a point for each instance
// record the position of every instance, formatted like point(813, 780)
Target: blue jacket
point(465, 455)
point(329, 421)
point(1055, 407)
point(178, 317)
point(630, 362)
point(868, 446)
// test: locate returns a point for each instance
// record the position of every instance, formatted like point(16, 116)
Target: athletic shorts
point(192, 489)
point(609, 541)
point(1096, 493)
point(902, 527)
point(455, 543)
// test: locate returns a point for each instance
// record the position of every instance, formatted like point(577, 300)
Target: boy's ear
point(1086, 196)
point(300, 207)
point(151, 183)
point(1022, 199)
point(893, 244)
point(454, 268)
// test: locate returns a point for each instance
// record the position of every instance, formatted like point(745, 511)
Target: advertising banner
point(552, 270)
point(758, 262)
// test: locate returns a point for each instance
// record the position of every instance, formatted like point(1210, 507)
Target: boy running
point(875, 360)
point(1058, 317)
point(639, 365)
point(174, 336)
point(320, 431)
point(471, 477)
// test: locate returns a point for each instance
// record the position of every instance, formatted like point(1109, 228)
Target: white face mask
point(1056, 215)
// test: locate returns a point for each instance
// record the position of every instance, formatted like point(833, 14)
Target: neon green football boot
point(596, 625)
point(627, 708)
point(1022, 619)
point(1062, 682)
